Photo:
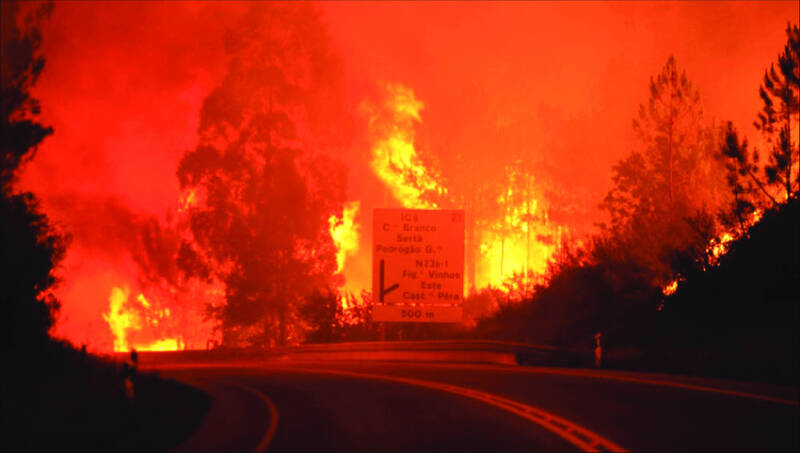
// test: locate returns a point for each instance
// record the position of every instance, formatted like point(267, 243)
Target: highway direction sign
point(417, 265)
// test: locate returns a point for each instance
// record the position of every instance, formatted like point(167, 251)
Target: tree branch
point(761, 186)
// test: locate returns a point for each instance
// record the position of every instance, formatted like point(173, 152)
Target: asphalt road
point(391, 406)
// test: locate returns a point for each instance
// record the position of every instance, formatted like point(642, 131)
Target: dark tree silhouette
point(742, 167)
point(778, 118)
point(262, 228)
point(738, 318)
point(29, 246)
point(662, 190)
point(668, 125)
point(323, 311)
point(777, 121)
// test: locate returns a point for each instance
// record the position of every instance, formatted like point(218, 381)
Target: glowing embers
point(353, 310)
point(719, 245)
point(344, 232)
point(669, 289)
point(512, 244)
point(130, 320)
point(394, 158)
point(190, 198)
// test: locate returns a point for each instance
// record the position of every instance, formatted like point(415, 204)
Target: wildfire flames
point(394, 157)
point(344, 232)
point(518, 241)
point(169, 321)
point(523, 241)
point(718, 247)
point(126, 318)
point(530, 128)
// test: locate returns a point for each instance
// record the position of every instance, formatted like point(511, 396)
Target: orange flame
point(350, 306)
point(522, 241)
point(670, 288)
point(188, 199)
point(718, 247)
point(124, 320)
point(119, 320)
point(344, 232)
point(167, 344)
point(394, 158)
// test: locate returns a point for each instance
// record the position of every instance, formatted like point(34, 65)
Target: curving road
point(393, 406)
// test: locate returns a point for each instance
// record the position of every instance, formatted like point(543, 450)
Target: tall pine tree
point(778, 119)
point(665, 190)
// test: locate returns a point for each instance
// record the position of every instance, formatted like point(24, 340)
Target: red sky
point(124, 83)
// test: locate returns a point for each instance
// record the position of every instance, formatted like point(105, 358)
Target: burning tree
point(742, 169)
point(664, 193)
point(265, 193)
point(756, 187)
point(395, 157)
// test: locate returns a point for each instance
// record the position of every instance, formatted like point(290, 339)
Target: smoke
point(554, 85)
point(122, 85)
point(561, 80)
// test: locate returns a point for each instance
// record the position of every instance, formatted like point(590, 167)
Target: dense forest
point(699, 246)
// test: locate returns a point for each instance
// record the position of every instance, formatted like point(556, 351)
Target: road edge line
point(698, 388)
point(567, 431)
point(273, 413)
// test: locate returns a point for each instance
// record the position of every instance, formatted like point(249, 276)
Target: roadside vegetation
point(56, 396)
point(696, 270)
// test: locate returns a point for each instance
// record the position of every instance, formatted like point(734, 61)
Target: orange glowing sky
point(124, 83)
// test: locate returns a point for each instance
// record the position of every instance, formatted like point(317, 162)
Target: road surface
point(394, 406)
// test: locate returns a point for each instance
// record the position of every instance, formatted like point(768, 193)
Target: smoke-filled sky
point(556, 83)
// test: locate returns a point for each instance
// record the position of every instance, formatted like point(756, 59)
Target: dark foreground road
point(390, 406)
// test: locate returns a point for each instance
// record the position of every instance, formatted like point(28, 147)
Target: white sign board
point(417, 265)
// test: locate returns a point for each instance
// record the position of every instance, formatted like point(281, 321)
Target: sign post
point(417, 265)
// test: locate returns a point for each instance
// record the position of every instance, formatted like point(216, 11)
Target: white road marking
point(573, 433)
point(273, 415)
point(597, 374)
point(699, 388)
point(619, 376)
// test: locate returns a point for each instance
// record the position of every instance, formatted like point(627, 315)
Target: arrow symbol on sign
point(386, 290)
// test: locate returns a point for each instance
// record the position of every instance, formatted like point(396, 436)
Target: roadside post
point(598, 350)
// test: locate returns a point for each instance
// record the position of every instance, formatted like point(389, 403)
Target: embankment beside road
point(58, 398)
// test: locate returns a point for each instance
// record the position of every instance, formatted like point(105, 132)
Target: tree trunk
point(503, 235)
point(789, 121)
point(470, 245)
point(669, 145)
point(282, 308)
point(526, 276)
point(763, 189)
point(788, 150)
